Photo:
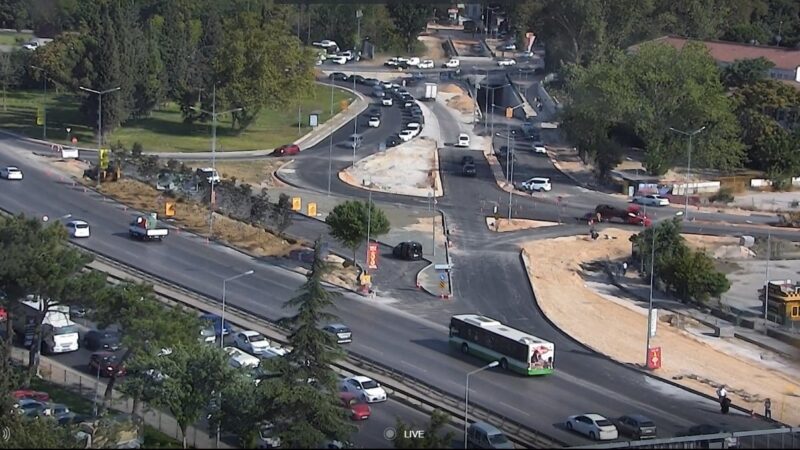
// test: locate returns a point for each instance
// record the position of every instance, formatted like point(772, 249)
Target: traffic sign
point(442, 284)
point(442, 276)
point(169, 209)
point(297, 204)
point(312, 209)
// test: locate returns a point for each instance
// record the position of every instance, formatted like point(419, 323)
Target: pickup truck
point(146, 228)
point(631, 215)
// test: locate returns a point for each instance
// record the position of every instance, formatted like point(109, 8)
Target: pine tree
point(304, 396)
point(150, 90)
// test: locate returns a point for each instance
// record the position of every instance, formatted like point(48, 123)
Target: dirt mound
point(451, 88)
point(462, 103)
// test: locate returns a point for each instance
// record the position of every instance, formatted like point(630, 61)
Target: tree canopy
point(349, 221)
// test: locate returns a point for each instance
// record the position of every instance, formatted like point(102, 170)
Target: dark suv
point(102, 340)
point(409, 250)
point(469, 170)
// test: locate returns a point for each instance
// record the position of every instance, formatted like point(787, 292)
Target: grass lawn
point(165, 130)
point(12, 38)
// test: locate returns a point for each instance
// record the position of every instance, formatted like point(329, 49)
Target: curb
point(525, 261)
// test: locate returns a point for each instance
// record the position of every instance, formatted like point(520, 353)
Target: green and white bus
point(489, 339)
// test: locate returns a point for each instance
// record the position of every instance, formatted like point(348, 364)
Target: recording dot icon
point(389, 434)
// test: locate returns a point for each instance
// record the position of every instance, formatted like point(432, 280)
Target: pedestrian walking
point(624, 268)
point(726, 405)
point(768, 408)
point(721, 393)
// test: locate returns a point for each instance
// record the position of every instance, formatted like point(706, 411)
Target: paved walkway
point(86, 386)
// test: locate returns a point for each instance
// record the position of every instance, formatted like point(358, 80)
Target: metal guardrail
point(771, 438)
point(413, 388)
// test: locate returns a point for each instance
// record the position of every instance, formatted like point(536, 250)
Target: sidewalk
point(85, 385)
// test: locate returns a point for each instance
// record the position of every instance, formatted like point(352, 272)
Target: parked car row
point(597, 427)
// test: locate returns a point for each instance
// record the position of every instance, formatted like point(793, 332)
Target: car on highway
point(216, 322)
point(78, 229)
point(374, 122)
point(105, 364)
point(537, 184)
point(286, 150)
point(651, 200)
point(251, 341)
point(406, 135)
point(337, 59)
point(372, 82)
point(325, 43)
point(463, 140)
point(358, 409)
point(408, 250)
point(426, 64)
point(485, 435)
point(11, 173)
point(636, 426)
point(98, 340)
point(358, 79)
point(506, 62)
point(507, 47)
point(538, 147)
point(338, 76)
point(452, 63)
point(698, 430)
point(415, 127)
point(595, 426)
point(340, 332)
point(408, 103)
point(469, 170)
point(364, 388)
point(387, 101)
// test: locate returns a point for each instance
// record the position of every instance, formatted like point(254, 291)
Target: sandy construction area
point(694, 361)
point(503, 225)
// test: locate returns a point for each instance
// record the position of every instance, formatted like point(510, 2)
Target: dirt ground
point(255, 173)
point(425, 224)
point(433, 48)
point(503, 225)
point(567, 300)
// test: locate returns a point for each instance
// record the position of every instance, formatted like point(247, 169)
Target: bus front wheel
point(465, 349)
point(504, 364)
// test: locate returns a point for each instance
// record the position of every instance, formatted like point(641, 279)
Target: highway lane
point(384, 331)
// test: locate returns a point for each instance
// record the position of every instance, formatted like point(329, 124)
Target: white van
point(484, 435)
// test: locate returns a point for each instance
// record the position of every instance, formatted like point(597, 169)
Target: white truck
point(59, 333)
point(146, 228)
point(431, 89)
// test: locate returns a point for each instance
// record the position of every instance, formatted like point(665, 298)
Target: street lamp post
point(222, 334)
point(466, 396)
point(214, 114)
point(691, 135)
point(355, 126)
point(44, 101)
point(766, 282)
point(511, 179)
point(99, 120)
point(650, 303)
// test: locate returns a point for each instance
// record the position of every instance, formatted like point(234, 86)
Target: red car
point(106, 364)
point(3, 314)
point(358, 409)
point(286, 150)
point(39, 396)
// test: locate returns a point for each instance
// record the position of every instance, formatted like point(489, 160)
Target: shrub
point(137, 149)
point(725, 195)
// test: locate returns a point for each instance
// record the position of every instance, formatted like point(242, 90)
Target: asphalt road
point(384, 329)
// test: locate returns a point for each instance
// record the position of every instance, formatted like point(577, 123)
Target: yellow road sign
point(297, 204)
point(442, 284)
point(312, 209)
point(509, 112)
point(39, 116)
point(169, 209)
point(366, 278)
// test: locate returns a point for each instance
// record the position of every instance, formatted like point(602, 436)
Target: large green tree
point(350, 221)
point(304, 397)
point(746, 71)
point(409, 20)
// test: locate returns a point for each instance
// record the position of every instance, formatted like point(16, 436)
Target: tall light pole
point(466, 396)
point(99, 120)
point(369, 218)
point(688, 166)
point(650, 303)
point(222, 334)
point(355, 126)
point(214, 114)
point(330, 148)
point(511, 179)
point(766, 281)
point(44, 101)
point(359, 15)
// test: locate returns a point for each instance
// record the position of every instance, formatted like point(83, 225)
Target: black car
point(636, 426)
point(102, 340)
point(469, 170)
point(393, 141)
point(408, 250)
point(371, 81)
point(467, 160)
point(357, 78)
point(375, 112)
point(338, 76)
point(342, 333)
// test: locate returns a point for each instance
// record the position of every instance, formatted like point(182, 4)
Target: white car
point(463, 140)
point(32, 45)
point(209, 175)
point(406, 135)
point(387, 101)
point(241, 359)
point(349, 54)
point(374, 122)
point(537, 184)
point(415, 127)
point(11, 173)
point(325, 43)
point(365, 388)
point(338, 59)
point(595, 426)
point(539, 148)
point(651, 200)
point(251, 341)
point(426, 64)
point(413, 61)
point(506, 62)
point(452, 63)
point(78, 229)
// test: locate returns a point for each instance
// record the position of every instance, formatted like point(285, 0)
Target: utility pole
point(214, 114)
point(650, 303)
point(511, 179)
point(691, 135)
point(44, 101)
point(355, 127)
point(766, 282)
point(359, 15)
point(99, 121)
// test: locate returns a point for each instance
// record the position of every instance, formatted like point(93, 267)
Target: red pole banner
point(654, 358)
point(372, 255)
